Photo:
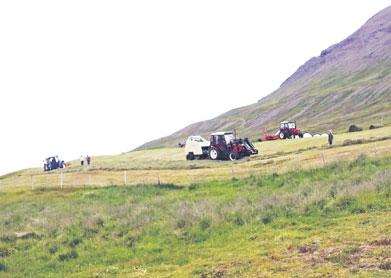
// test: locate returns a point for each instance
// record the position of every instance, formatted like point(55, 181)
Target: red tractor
point(224, 145)
point(288, 129)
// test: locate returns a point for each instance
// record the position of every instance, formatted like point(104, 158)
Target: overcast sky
point(102, 77)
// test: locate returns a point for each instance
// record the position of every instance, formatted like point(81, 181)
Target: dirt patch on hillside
point(382, 242)
point(375, 256)
point(233, 269)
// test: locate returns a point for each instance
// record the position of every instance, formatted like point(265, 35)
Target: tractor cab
point(222, 138)
point(288, 125)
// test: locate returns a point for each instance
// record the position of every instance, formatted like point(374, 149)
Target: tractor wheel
point(190, 156)
point(214, 154)
point(233, 156)
point(282, 135)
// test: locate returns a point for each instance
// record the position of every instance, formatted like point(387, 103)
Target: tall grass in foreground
point(190, 230)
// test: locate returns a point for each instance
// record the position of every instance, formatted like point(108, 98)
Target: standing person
point(81, 160)
point(45, 165)
point(88, 160)
point(49, 164)
point(57, 161)
point(330, 137)
point(53, 163)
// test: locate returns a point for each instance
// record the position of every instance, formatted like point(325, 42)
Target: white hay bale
point(317, 135)
point(324, 135)
point(307, 135)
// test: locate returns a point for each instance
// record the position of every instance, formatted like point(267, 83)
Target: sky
point(103, 77)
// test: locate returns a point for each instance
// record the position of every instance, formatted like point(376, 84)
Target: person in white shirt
point(45, 165)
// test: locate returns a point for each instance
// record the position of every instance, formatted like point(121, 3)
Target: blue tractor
point(53, 163)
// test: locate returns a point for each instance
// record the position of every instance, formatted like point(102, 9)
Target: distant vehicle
point(222, 146)
point(287, 130)
point(196, 147)
point(53, 163)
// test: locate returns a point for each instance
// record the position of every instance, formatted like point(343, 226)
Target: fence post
point(158, 179)
point(324, 162)
point(125, 177)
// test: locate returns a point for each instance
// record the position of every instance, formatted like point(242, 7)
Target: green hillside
point(300, 208)
point(349, 83)
point(331, 221)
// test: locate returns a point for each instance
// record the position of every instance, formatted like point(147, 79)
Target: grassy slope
point(330, 101)
point(332, 221)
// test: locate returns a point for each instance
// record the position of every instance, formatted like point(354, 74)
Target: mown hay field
point(168, 165)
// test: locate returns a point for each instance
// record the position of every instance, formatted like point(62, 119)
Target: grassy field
point(299, 209)
point(332, 221)
point(168, 165)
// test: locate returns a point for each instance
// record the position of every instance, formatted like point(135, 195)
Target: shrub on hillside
point(67, 256)
point(5, 252)
point(3, 267)
point(205, 224)
point(266, 219)
point(53, 249)
point(349, 142)
point(8, 238)
point(344, 202)
point(374, 126)
point(75, 241)
point(238, 220)
point(354, 128)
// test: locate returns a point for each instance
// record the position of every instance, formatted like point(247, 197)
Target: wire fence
point(63, 179)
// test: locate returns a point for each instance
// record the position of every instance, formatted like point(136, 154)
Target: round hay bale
point(317, 135)
point(324, 135)
point(354, 128)
point(307, 135)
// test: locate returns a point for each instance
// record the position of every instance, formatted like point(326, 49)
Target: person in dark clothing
point(88, 160)
point(53, 164)
point(330, 137)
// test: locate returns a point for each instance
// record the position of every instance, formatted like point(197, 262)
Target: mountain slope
point(350, 82)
